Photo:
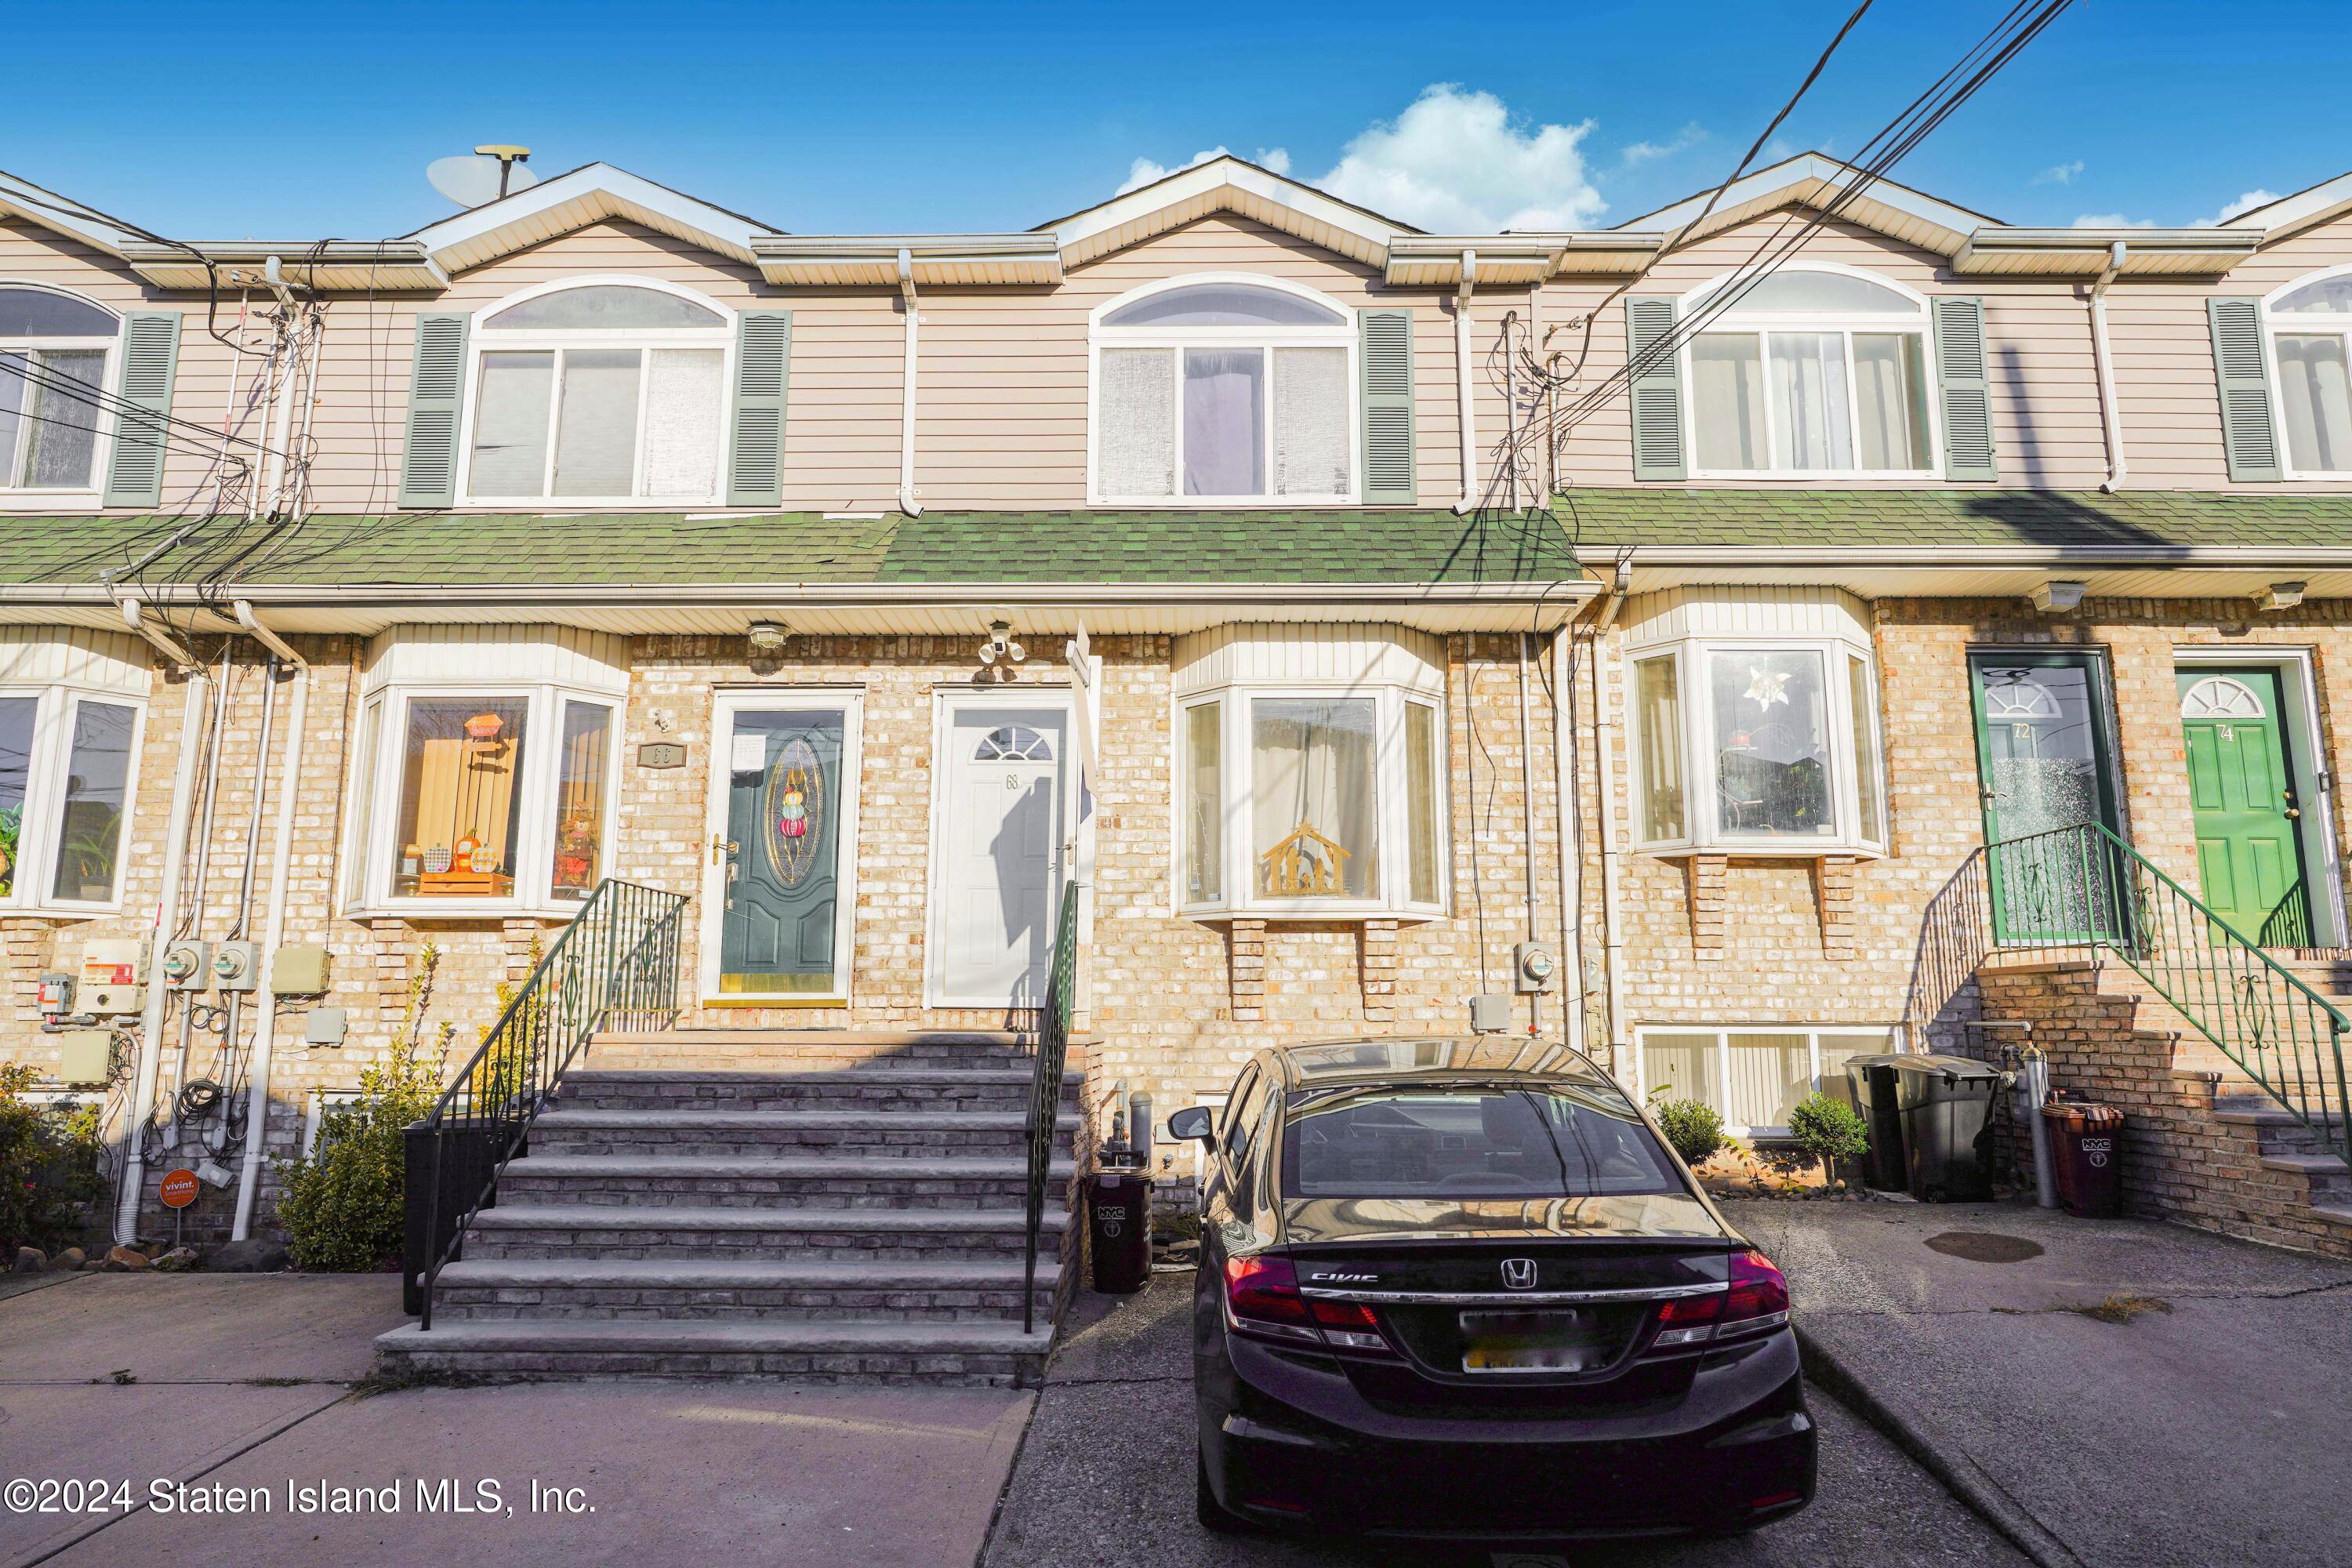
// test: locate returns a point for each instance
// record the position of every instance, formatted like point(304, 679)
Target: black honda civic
point(1461, 1288)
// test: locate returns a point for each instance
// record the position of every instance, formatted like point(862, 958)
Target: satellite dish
point(469, 179)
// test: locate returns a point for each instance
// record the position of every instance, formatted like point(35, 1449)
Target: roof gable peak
point(575, 199)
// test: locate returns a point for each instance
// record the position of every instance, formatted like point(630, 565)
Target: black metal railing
point(1955, 939)
point(1045, 1085)
point(613, 966)
point(2084, 886)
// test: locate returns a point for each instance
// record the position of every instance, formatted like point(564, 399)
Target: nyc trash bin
point(1871, 1081)
point(2086, 1147)
point(1119, 1213)
point(1945, 1106)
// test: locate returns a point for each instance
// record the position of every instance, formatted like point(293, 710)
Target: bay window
point(1809, 372)
point(54, 351)
point(69, 761)
point(599, 392)
point(2310, 337)
point(1223, 390)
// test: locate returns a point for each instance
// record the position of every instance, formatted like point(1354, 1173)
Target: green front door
point(2045, 764)
point(2249, 859)
point(781, 919)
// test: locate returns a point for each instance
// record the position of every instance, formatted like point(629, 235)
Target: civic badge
point(1519, 1273)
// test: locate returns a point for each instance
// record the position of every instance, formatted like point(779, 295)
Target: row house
point(1343, 610)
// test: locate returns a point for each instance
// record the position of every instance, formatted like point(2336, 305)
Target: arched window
point(1810, 370)
point(2218, 697)
point(53, 355)
point(1217, 389)
point(2311, 334)
point(1013, 744)
point(598, 392)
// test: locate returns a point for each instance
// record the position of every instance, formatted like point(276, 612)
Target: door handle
point(2295, 814)
point(720, 846)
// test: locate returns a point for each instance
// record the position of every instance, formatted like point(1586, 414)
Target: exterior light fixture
point(2280, 596)
point(1000, 645)
point(2057, 599)
point(768, 637)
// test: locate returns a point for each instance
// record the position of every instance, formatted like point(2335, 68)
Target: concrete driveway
point(2119, 1392)
point(1106, 1479)
point(242, 1386)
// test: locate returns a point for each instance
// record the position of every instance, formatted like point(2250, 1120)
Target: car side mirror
point(1194, 1121)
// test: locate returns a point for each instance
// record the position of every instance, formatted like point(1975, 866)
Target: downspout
point(265, 1021)
point(1528, 828)
point(1467, 388)
point(1605, 745)
point(288, 336)
point(2111, 417)
point(906, 411)
point(167, 919)
point(1571, 839)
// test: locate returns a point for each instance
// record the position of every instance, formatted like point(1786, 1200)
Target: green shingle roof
point(1604, 521)
point(426, 549)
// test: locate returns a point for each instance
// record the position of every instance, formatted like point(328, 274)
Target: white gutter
point(167, 919)
point(273, 934)
point(1571, 843)
point(906, 411)
point(1465, 377)
point(1605, 745)
point(2111, 415)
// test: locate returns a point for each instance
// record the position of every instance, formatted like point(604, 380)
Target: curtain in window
point(63, 431)
point(596, 431)
point(1420, 777)
point(458, 824)
point(684, 397)
point(1681, 1065)
point(1204, 804)
point(2313, 392)
point(1658, 717)
point(1768, 1075)
point(1891, 398)
point(1310, 422)
point(1224, 413)
point(1861, 704)
point(1771, 742)
point(1136, 443)
point(16, 715)
point(509, 455)
point(1809, 393)
point(1312, 802)
point(98, 774)
point(1727, 400)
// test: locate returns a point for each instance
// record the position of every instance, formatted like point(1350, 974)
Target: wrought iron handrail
point(2084, 886)
point(1045, 1087)
point(1955, 939)
point(615, 964)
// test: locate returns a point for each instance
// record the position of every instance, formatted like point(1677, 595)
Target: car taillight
point(1262, 1297)
point(1756, 1298)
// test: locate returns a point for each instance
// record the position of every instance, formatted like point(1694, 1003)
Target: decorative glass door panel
point(2044, 764)
point(781, 859)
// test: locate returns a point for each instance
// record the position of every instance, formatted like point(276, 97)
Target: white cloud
point(1640, 153)
point(2112, 220)
point(1143, 171)
point(1455, 162)
point(2058, 174)
point(2245, 203)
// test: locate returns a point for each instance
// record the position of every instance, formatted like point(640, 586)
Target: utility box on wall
point(299, 972)
point(82, 1055)
point(113, 977)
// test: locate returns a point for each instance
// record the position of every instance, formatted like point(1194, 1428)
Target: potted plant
point(1830, 1131)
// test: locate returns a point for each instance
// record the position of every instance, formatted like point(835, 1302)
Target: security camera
point(1000, 645)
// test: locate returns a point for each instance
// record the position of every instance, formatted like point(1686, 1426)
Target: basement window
point(1754, 1077)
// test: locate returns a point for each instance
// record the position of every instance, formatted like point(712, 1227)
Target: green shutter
point(1964, 389)
point(150, 352)
point(1387, 340)
point(1655, 395)
point(436, 388)
point(2248, 436)
point(763, 351)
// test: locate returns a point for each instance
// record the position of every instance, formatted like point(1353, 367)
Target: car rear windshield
point(1470, 1142)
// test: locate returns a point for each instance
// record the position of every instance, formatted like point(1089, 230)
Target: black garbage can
point(1871, 1081)
point(1945, 1105)
point(2086, 1148)
point(1119, 1217)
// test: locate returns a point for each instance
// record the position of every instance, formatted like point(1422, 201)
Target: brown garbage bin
point(2086, 1147)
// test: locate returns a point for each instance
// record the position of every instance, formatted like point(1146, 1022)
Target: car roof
point(1438, 1058)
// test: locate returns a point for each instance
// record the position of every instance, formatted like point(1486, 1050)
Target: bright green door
point(2249, 859)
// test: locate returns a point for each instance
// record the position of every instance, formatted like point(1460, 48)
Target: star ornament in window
point(1765, 688)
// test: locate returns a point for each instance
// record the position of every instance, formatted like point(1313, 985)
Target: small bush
point(1694, 1130)
point(49, 1167)
point(1829, 1130)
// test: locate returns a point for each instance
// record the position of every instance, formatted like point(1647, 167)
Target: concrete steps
point(800, 1204)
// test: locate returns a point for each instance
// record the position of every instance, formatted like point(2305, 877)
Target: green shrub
point(49, 1167)
point(1694, 1130)
point(1829, 1130)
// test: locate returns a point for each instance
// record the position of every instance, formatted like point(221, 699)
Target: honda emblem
point(1519, 1273)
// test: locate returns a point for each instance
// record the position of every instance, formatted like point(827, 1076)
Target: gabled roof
point(61, 214)
point(1810, 179)
point(570, 201)
point(2294, 214)
point(1226, 183)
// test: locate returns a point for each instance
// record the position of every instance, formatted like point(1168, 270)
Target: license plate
point(1561, 1341)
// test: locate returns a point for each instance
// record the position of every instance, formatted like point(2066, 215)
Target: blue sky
point(285, 120)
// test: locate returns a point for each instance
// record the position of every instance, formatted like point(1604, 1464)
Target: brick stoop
point(2203, 1144)
point(819, 1205)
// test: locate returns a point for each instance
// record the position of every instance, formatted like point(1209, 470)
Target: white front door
point(996, 871)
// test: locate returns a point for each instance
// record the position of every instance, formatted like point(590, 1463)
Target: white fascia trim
point(2298, 211)
point(1964, 557)
point(1803, 170)
point(21, 197)
point(1203, 178)
point(727, 233)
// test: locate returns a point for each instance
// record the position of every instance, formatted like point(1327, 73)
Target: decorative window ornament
point(2221, 697)
point(1304, 863)
point(1767, 686)
point(795, 811)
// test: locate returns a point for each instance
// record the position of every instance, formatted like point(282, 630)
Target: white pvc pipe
point(1467, 390)
point(906, 410)
point(167, 919)
point(273, 935)
point(1571, 855)
point(1527, 829)
point(1604, 742)
point(2111, 414)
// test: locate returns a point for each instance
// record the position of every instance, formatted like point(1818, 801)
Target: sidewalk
point(2191, 1415)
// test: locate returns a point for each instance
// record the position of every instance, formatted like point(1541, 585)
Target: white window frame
point(1176, 340)
point(1238, 865)
point(45, 791)
point(375, 795)
point(2336, 324)
point(1702, 829)
point(15, 497)
point(482, 340)
point(1884, 1035)
point(1741, 321)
